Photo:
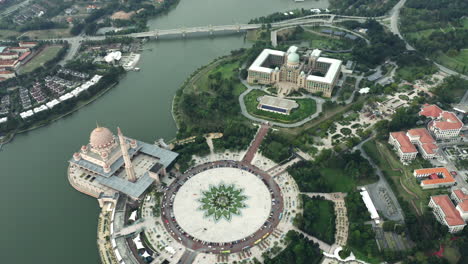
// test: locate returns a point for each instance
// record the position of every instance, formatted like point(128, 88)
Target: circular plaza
point(222, 206)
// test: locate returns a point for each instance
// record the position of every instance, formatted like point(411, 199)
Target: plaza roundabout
point(222, 206)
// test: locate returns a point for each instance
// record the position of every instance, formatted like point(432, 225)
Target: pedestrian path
point(262, 131)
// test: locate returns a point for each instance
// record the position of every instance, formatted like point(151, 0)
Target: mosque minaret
point(128, 162)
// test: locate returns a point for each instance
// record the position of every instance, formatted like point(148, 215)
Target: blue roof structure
point(272, 108)
point(133, 189)
point(166, 157)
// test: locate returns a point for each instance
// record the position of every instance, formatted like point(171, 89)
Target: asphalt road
point(382, 183)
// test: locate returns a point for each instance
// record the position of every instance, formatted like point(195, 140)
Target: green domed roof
point(293, 57)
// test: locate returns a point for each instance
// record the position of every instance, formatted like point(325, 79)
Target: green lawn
point(452, 255)
point(317, 41)
point(48, 33)
point(4, 34)
point(458, 63)
point(47, 54)
point(227, 70)
point(338, 179)
point(306, 108)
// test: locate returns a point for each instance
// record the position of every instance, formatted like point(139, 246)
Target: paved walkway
point(253, 148)
point(319, 102)
point(277, 170)
point(136, 227)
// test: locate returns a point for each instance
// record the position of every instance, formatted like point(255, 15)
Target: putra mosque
point(109, 166)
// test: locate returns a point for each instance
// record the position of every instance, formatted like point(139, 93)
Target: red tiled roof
point(8, 53)
point(430, 111)
point(461, 194)
point(28, 42)
point(7, 62)
point(430, 148)
point(452, 216)
point(22, 57)
point(464, 205)
point(423, 134)
point(403, 140)
point(16, 48)
point(6, 72)
point(426, 140)
point(447, 178)
point(448, 121)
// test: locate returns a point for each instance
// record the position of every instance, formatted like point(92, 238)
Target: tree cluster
point(361, 236)
point(276, 147)
point(309, 178)
point(299, 251)
point(363, 7)
point(317, 211)
point(384, 45)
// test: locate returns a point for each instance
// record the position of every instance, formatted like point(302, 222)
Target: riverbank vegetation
point(131, 16)
point(15, 124)
point(369, 8)
point(208, 101)
point(318, 219)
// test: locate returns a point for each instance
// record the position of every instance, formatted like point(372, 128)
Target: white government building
point(286, 71)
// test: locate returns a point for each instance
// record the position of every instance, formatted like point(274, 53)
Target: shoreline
point(194, 76)
point(12, 135)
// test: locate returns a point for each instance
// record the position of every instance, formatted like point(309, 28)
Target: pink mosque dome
point(101, 137)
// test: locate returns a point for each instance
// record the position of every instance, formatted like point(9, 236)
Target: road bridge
point(318, 19)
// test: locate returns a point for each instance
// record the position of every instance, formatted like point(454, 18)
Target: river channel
point(44, 220)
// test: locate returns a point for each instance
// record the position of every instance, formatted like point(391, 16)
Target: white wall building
point(286, 70)
point(403, 146)
point(446, 214)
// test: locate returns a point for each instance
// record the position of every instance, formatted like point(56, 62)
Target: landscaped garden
point(222, 202)
point(307, 107)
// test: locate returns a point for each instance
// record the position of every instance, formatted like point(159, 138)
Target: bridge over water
point(321, 19)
